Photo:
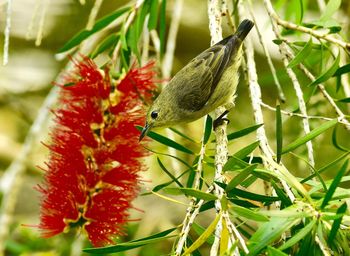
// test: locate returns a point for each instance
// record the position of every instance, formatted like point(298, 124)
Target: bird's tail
point(244, 28)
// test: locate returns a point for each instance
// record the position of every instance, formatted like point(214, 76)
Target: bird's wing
point(199, 78)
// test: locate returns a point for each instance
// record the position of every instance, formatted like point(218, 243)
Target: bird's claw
point(219, 121)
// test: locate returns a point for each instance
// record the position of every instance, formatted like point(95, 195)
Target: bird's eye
point(154, 114)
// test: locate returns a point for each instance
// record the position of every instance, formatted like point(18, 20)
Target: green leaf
point(243, 132)
point(268, 232)
point(328, 73)
point(336, 181)
point(336, 223)
point(326, 167)
point(240, 177)
point(345, 100)
point(277, 41)
point(200, 230)
point(279, 133)
point(107, 43)
point(314, 133)
point(132, 40)
point(190, 192)
point(234, 163)
point(208, 129)
point(181, 134)
point(331, 7)
point(203, 238)
point(166, 141)
point(335, 142)
point(271, 251)
point(342, 70)
point(298, 236)
point(242, 153)
point(153, 15)
point(252, 196)
point(173, 178)
point(162, 26)
point(281, 195)
point(99, 25)
point(132, 244)
point(302, 55)
point(248, 214)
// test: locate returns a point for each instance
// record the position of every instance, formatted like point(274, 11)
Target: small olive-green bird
point(205, 83)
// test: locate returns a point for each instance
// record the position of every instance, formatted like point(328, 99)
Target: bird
point(208, 81)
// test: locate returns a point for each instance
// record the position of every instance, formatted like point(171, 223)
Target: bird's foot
point(219, 121)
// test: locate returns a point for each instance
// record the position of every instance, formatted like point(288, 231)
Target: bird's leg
point(218, 121)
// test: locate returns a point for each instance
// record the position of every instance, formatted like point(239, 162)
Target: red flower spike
point(92, 172)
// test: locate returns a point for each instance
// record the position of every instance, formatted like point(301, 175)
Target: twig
point(317, 34)
point(267, 54)
point(93, 14)
point(171, 42)
point(297, 88)
point(39, 35)
point(214, 14)
point(7, 33)
point(341, 116)
point(255, 95)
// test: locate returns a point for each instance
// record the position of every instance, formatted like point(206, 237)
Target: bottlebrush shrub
point(92, 172)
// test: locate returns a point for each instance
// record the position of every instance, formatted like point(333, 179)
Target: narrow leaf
point(314, 133)
point(234, 163)
point(240, 177)
point(249, 214)
point(335, 142)
point(169, 173)
point(271, 251)
point(107, 43)
point(153, 15)
point(205, 235)
point(268, 232)
point(200, 230)
point(328, 73)
point(298, 236)
point(336, 223)
point(242, 153)
point(166, 141)
point(181, 134)
point(336, 181)
point(191, 192)
point(331, 7)
point(252, 196)
point(302, 55)
point(132, 244)
point(224, 238)
point(345, 100)
point(342, 70)
point(279, 134)
point(99, 25)
point(243, 132)
point(327, 166)
point(208, 129)
point(162, 26)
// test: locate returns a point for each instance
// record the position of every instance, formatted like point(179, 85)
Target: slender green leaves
point(336, 181)
point(132, 244)
point(302, 55)
point(314, 133)
point(243, 132)
point(279, 134)
point(328, 73)
point(99, 25)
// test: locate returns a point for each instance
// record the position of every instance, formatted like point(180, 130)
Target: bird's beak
point(145, 130)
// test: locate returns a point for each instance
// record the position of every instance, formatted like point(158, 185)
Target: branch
point(314, 33)
point(297, 88)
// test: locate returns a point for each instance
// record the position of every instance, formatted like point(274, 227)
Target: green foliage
point(302, 208)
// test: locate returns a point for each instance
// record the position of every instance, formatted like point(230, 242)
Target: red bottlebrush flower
point(91, 176)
